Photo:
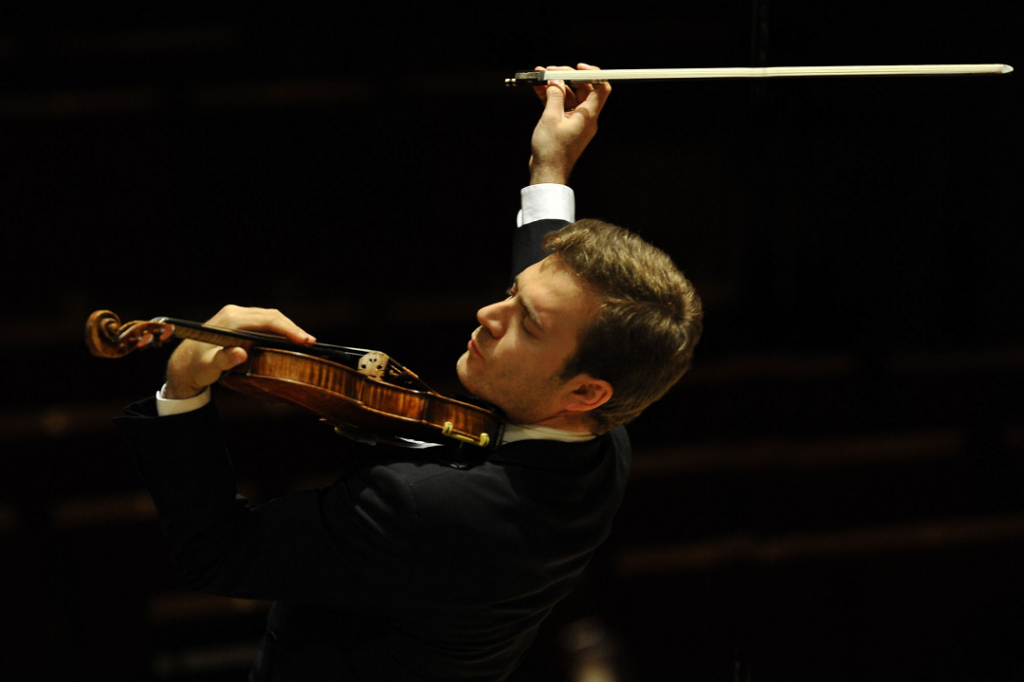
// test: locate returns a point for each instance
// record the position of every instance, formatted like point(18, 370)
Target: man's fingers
point(584, 89)
point(268, 320)
point(276, 322)
point(554, 99)
point(595, 93)
point(567, 96)
point(598, 93)
point(226, 358)
point(595, 99)
point(601, 92)
point(213, 360)
point(195, 365)
point(541, 90)
point(572, 100)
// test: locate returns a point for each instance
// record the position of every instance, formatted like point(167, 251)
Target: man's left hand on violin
point(196, 365)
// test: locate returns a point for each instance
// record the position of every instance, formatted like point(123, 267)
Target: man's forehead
point(555, 288)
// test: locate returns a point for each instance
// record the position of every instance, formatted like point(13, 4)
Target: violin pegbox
point(373, 364)
point(106, 337)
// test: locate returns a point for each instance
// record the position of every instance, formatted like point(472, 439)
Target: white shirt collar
point(514, 432)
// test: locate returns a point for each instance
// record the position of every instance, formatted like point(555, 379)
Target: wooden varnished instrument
point(366, 394)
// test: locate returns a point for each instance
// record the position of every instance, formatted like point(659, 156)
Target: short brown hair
point(650, 318)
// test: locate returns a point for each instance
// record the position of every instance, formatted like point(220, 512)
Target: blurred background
point(834, 492)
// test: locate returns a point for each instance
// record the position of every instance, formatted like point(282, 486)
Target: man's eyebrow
point(530, 311)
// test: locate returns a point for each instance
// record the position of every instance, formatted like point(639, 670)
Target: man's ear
point(586, 393)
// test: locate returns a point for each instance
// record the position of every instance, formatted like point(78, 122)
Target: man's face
point(515, 358)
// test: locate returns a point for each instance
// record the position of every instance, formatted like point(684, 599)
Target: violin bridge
point(373, 364)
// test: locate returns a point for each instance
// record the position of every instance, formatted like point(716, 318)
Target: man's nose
point(492, 318)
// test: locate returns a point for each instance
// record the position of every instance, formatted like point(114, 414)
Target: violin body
point(358, 404)
point(365, 394)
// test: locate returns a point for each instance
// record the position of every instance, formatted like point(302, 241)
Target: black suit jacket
point(413, 566)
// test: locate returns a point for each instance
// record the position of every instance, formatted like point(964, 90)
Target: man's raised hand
point(567, 125)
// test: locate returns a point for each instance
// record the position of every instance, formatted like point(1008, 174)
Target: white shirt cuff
point(165, 407)
point(547, 201)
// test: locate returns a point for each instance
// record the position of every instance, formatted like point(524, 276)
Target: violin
point(366, 394)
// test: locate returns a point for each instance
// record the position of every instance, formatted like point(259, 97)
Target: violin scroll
point(106, 337)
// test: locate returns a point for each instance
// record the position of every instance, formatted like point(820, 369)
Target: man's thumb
point(226, 358)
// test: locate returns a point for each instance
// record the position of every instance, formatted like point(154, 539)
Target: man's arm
point(350, 546)
point(566, 126)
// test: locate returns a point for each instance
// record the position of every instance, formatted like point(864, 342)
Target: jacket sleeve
point(351, 545)
point(527, 243)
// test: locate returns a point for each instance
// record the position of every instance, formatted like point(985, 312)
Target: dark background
point(834, 492)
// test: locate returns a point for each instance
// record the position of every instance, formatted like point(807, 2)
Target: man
point(432, 565)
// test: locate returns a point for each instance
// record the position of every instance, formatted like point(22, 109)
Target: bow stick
point(541, 77)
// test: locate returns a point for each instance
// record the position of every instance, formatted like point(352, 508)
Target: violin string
point(396, 372)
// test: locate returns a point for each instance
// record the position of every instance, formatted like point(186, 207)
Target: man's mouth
point(474, 349)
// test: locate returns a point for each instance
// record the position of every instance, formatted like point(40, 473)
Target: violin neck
point(184, 329)
point(394, 370)
point(106, 337)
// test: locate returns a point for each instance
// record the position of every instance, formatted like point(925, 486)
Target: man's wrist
point(166, 405)
point(175, 391)
point(548, 174)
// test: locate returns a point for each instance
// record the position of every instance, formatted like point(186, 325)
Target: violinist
point(431, 565)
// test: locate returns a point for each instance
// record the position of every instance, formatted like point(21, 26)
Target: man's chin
point(470, 382)
point(462, 369)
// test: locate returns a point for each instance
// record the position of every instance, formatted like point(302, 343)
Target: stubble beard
point(462, 372)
